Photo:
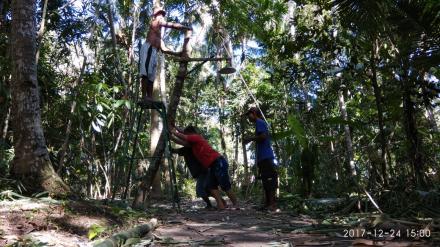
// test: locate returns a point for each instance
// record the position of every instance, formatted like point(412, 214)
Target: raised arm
point(167, 50)
point(174, 25)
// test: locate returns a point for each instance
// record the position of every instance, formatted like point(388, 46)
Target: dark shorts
point(218, 175)
point(146, 79)
point(268, 174)
point(201, 185)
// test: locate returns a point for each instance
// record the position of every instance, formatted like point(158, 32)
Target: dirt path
point(239, 228)
point(248, 227)
point(53, 223)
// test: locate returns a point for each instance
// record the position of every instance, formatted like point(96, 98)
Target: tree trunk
point(276, 146)
point(236, 145)
point(222, 127)
point(6, 124)
point(156, 129)
point(115, 51)
point(378, 98)
point(4, 133)
point(431, 116)
point(155, 132)
point(171, 118)
point(41, 31)
point(427, 102)
point(1, 14)
point(106, 168)
point(94, 169)
point(409, 120)
point(163, 86)
point(335, 164)
point(245, 158)
point(133, 43)
point(350, 166)
point(31, 163)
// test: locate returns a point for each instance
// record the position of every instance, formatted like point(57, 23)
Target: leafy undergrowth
point(409, 215)
point(414, 203)
point(398, 204)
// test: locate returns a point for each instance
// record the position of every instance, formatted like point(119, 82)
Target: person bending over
point(198, 172)
point(209, 158)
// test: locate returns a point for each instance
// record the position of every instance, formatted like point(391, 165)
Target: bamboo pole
point(119, 239)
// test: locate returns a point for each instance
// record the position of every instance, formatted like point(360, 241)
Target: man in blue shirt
point(264, 157)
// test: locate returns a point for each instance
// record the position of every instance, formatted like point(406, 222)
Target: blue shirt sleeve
point(261, 127)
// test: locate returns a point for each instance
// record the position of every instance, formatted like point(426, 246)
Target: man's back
point(201, 149)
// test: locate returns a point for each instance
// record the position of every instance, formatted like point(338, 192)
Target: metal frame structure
point(161, 109)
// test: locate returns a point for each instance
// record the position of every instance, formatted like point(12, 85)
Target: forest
point(349, 92)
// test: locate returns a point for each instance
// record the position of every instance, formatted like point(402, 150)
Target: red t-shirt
point(201, 149)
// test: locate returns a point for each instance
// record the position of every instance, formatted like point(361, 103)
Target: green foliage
point(292, 202)
point(188, 188)
point(6, 157)
point(94, 231)
point(27, 242)
point(297, 129)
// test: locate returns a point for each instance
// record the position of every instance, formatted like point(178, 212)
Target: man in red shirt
point(209, 158)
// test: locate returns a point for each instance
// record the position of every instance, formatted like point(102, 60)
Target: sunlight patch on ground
point(22, 205)
point(54, 238)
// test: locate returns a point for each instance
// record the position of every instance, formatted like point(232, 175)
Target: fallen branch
point(215, 241)
point(119, 239)
point(10, 194)
point(372, 200)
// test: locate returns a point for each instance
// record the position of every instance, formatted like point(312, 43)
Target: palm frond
point(368, 15)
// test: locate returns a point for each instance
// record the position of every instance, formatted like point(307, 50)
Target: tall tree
point(155, 132)
point(31, 163)
point(350, 166)
point(156, 126)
